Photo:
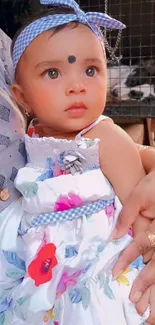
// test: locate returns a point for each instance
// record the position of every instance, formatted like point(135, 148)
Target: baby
point(81, 168)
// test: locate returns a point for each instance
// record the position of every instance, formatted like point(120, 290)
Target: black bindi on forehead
point(71, 59)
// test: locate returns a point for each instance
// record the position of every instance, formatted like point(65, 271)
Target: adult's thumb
point(127, 216)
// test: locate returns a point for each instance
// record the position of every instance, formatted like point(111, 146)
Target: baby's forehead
point(77, 38)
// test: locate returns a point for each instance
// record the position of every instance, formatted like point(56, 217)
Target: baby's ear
point(19, 97)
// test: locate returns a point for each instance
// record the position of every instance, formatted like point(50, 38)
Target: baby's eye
point(53, 73)
point(91, 71)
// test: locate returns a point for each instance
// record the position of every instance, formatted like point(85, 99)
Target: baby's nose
point(75, 88)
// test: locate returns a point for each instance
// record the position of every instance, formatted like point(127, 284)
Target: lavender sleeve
point(12, 150)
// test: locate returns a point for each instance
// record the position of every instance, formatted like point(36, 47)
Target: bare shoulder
point(119, 158)
point(110, 135)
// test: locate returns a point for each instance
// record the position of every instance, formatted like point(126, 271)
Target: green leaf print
point(107, 289)
point(28, 189)
point(2, 318)
point(21, 307)
point(15, 275)
point(3, 297)
point(22, 300)
point(101, 278)
point(85, 297)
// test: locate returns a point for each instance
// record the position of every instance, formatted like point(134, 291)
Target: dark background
point(138, 40)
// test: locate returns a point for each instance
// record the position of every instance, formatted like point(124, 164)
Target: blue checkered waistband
point(71, 214)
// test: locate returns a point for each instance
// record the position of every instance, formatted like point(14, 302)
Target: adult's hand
point(140, 203)
point(143, 292)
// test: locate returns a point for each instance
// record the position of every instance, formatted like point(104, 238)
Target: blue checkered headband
point(94, 20)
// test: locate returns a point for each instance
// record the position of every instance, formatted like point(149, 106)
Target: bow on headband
point(92, 19)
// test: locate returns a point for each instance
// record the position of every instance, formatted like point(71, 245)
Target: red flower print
point(40, 269)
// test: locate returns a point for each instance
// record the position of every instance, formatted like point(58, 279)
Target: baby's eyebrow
point(93, 61)
point(58, 62)
point(48, 63)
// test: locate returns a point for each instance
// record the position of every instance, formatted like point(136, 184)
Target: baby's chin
point(43, 130)
point(67, 127)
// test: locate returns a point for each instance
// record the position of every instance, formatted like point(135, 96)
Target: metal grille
point(131, 90)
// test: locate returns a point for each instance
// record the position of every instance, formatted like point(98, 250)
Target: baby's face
point(62, 78)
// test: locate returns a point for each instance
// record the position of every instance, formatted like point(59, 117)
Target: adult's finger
point(140, 202)
point(147, 299)
point(128, 215)
point(148, 255)
point(143, 303)
point(145, 279)
point(151, 319)
point(138, 247)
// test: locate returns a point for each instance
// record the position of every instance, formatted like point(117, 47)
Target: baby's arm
point(119, 159)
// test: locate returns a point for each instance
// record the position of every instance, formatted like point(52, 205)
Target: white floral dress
point(55, 261)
